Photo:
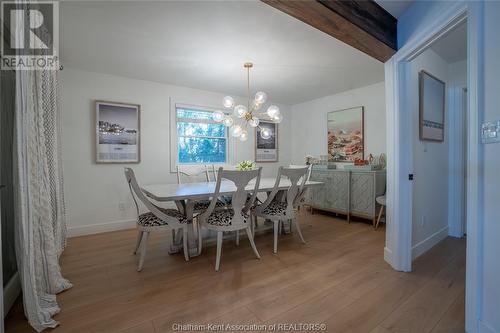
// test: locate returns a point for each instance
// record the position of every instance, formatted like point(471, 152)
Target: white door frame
point(398, 249)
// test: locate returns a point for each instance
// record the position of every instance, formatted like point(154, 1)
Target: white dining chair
point(381, 200)
point(192, 174)
point(235, 218)
point(281, 208)
point(302, 196)
point(156, 218)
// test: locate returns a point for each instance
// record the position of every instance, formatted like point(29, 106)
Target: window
point(199, 138)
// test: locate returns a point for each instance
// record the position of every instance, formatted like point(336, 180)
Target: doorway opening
point(438, 83)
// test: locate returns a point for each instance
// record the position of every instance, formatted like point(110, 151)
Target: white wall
point(482, 295)
point(457, 81)
point(94, 192)
point(309, 125)
point(491, 202)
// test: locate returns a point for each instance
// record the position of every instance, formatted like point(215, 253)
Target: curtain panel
point(39, 196)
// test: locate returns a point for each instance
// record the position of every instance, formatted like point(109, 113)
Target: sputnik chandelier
point(249, 115)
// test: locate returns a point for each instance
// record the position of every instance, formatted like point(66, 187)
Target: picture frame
point(117, 136)
point(345, 135)
point(266, 150)
point(432, 94)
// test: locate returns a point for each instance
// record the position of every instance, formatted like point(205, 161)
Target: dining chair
point(156, 218)
point(381, 200)
point(235, 218)
point(192, 174)
point(280, 206)
point(302, 196)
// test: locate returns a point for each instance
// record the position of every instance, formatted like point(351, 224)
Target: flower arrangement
point(246, 165)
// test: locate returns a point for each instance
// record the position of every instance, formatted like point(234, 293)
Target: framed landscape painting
point(117, 132)
point(431, 107)
point(266, 150)
point(345, 135)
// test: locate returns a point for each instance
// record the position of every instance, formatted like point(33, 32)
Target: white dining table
point(185, 195)
point(204, 190)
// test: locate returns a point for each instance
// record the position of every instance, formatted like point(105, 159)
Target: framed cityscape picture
point(117, 132)
point(345, 135)
point(431, 107)
point(266, 148)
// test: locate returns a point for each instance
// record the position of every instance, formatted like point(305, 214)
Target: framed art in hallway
point(266, 150)
point(117, 132)
point(345, 135)
point(431, 107)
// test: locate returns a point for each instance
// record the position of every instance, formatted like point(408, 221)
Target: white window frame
point(174, 153)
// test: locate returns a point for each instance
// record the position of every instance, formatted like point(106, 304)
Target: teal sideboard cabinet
point(347, 192)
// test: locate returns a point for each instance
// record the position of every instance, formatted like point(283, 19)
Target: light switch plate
point(490, 132)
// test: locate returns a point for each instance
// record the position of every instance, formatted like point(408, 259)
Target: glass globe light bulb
point(272, 111)
point(254, 122)
point(265, 133)
point(256, 106)
point(278, 118)
point(228, 121)
point(219, 116)
point(240, 110)
point(261, 97)
point(228, 102)
point(236, 131)
point(244, 135)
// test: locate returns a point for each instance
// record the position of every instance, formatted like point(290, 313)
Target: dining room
point(221, 166)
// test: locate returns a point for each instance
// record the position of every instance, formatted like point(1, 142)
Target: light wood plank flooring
point(338, 278)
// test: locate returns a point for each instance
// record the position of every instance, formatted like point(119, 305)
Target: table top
point(175, 192)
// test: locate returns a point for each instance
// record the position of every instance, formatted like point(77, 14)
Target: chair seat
point(381, 200)
point(203, 205)
point(275, 208)
point(150, 220)
point(223, 217)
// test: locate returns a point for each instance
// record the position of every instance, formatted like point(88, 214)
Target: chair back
point(297, 178)
point(308, 177)
point(216, 167)
point(309, 167)
point(240, 202)
point(192, 173)
point(137, 194)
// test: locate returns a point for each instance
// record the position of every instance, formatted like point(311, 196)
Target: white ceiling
point(453, 46)
point(203, 45)
point(395, 7)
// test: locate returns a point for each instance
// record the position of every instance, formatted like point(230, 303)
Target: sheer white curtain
point(39, 199)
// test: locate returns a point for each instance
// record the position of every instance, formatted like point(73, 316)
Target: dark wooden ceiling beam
point(362, 24)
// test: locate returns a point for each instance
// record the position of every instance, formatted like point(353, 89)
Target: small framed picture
point(266, 148)
point(431, 107)
point(117, 132)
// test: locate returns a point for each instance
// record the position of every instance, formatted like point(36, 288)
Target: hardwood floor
point(339, 278)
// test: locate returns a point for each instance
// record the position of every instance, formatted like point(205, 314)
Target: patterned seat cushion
point(275, 208)
point(150, 220)
point(223, 217)
point(203, 205)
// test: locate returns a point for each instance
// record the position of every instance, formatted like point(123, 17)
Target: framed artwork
point(117, 132)
point(345, 135)
point(431, 107)
point(266, 150)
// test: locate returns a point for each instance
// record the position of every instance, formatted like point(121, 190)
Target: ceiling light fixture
point(249, 115)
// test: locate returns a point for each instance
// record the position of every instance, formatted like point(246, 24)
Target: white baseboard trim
point(101, 227)
point(10, 293)
point(428, 243)
point(485, 328)
point(388, 255)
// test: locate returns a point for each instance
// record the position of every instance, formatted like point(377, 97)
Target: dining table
point(185, 195)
